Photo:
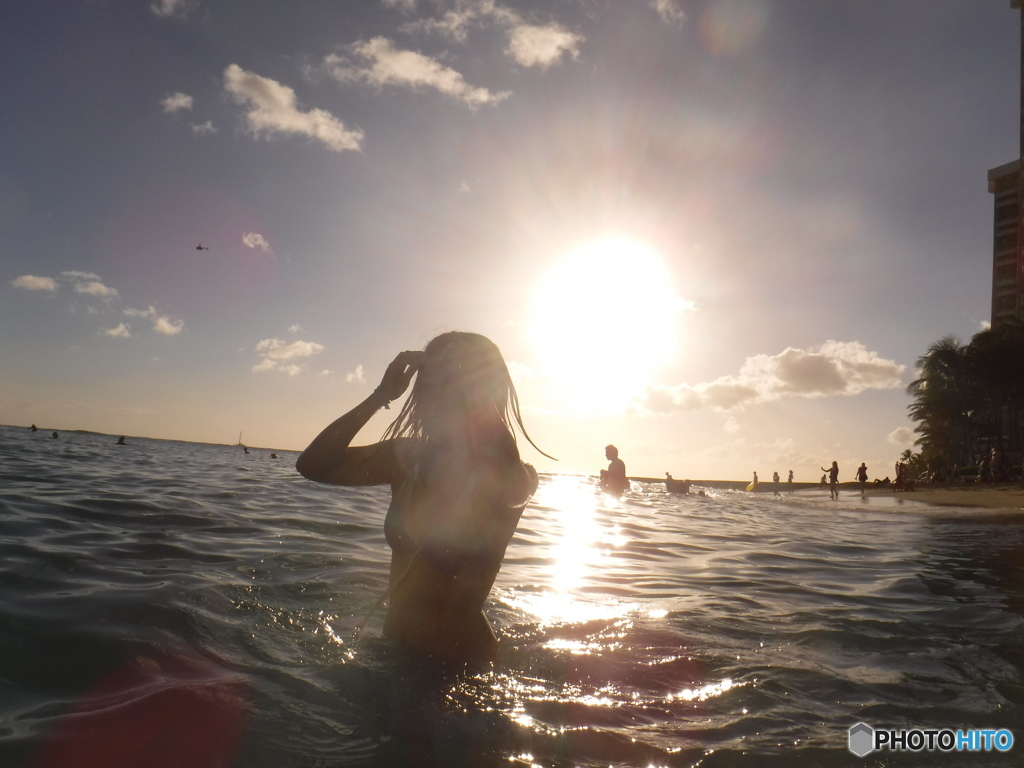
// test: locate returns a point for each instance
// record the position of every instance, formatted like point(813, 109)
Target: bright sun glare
point(603, 321)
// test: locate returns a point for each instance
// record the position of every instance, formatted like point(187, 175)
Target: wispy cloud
point(34, 283)
point(176, 102)
point(356, 376)
point(669, 11)
point(255, 240)
point(378, 62)
point(455, 22)
point(169, 8)
point(203, 129)
point(533, 46)
point(529, 45)
point(278, 355)
point(90, 285)
point(901, 436)
point(120, 331)
point(162, 324)
point(835, 368)
point(273, 109)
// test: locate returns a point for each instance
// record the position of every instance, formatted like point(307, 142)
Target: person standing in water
point(458, 488)
point(862, 476)
point(775, 483)
point(790, 481)
point(833, 480)
point(613, 479)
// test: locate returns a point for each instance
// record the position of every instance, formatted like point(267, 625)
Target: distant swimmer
point(120, 440)
point(613, 479)
point(34, 428)
point(55, 436)
point(273, 455)
point(202, 247)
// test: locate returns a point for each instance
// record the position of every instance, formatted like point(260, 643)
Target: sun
point(603, 321)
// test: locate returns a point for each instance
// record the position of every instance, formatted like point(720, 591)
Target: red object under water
point(168, 711)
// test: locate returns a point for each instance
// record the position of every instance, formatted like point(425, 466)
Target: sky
point(716, 233)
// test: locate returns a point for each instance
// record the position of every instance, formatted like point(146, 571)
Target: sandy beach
point(1009, 496)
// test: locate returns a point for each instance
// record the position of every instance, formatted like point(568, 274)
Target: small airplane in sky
point(202, 247)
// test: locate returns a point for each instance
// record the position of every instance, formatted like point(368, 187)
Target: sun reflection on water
point(583, 542)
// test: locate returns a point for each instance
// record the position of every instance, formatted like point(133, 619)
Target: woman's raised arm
point(331, 458)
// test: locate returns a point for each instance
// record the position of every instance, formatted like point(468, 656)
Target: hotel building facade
point(1006, 183)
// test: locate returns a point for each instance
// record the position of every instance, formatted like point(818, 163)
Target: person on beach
point(862, 476)
point(789, 482)
point(613, 479)
point(458, 488)
point(833, 480)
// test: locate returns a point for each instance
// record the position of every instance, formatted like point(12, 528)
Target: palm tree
point(943, 402)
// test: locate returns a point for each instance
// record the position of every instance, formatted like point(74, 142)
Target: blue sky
point(717, 233)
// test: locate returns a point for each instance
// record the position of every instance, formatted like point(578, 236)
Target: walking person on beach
point(833, 480)
point(458, 488)
point(862, 476)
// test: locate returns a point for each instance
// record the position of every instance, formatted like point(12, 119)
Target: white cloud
point(203, 129)
point(169, 8)
point(383, 64)
point(901, 436)
point(166, 326)
point(95, 288)
point(255, 240)
point(176, 102)
point(121, 331)
point(835, 368)
point(669, 11)
point(326, 372)
point(272, 110)
point(294, 328)
point(356, 375)
point(33, 283)
point(161, 323)
point(533, 46)
point(455, 23)
point(278, 354)
point(88, 284)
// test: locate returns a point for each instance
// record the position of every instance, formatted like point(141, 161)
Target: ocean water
point(178, 604)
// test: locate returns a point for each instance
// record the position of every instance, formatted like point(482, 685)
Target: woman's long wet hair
point(462, 374)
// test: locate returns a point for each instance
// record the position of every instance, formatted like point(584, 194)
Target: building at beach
point(1006, 184)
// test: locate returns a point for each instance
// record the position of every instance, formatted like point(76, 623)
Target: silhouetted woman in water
point(458, 488)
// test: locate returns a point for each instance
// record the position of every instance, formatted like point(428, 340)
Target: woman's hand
point(399, 373)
